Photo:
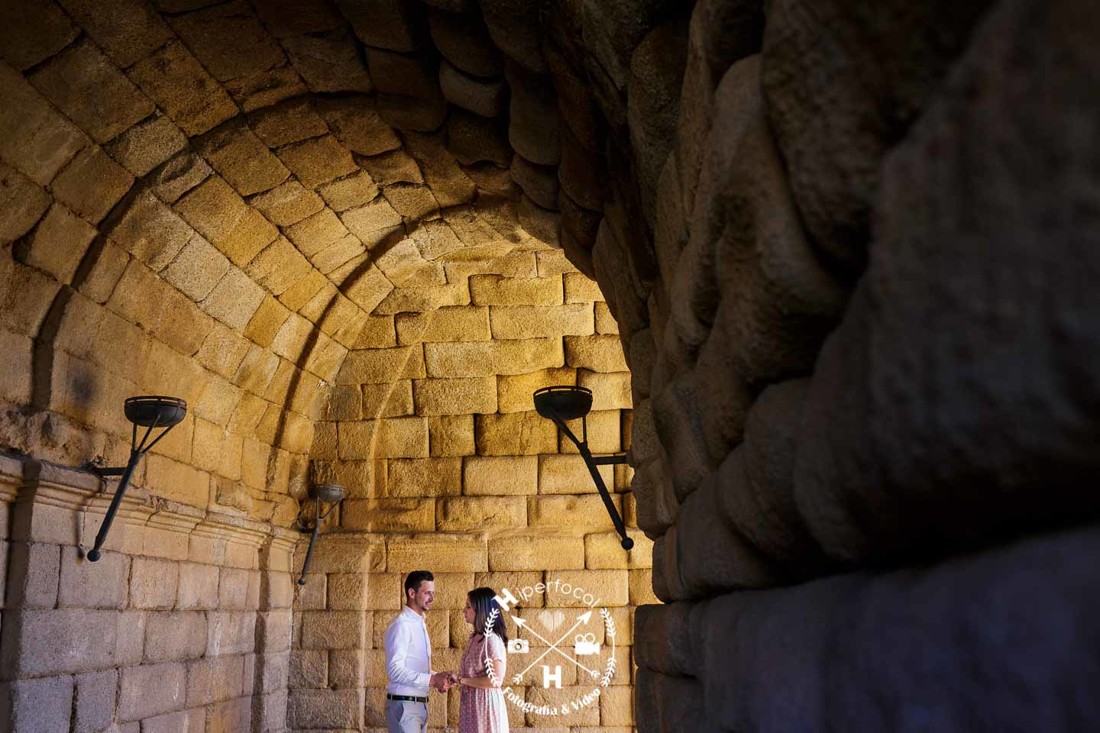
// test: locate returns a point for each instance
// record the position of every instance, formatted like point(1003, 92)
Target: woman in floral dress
point(482, 707)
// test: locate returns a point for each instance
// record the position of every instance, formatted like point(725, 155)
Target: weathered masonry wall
point(864, 425)
point(432, 429)
point(184, 624)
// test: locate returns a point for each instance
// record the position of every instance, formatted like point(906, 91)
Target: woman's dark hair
point(414, 579)
point(482, 600)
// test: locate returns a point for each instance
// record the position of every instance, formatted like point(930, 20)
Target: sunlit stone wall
point(432, 429)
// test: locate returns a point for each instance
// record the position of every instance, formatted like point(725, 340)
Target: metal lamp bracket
point(321, 494)
point(563, 403)
point(151, 412)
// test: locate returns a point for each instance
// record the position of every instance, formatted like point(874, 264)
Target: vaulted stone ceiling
point(221, 200)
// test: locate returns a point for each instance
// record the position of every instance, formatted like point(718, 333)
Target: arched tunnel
point(828, 269)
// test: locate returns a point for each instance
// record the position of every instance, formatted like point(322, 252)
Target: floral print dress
point(481, 710)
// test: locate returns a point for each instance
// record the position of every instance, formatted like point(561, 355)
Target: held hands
point(443, 681)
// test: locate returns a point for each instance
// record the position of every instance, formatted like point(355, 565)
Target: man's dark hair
point(414, 579)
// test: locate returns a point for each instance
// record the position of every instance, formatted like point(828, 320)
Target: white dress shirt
point(408, 655)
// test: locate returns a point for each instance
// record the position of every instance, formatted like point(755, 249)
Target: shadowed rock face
point(829, 270)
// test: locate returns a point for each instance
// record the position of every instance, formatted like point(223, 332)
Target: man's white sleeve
point(397, 642)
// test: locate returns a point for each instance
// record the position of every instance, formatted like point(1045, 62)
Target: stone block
point(451, 435)
point(346, 668)
point(347, 592)
point(91, 91)
point(287, 204)
point(173, 637)
point(515, 434)
point(538, 182)
point(33, 574)
point(235, 300)
point(427, 477)
point(334, 630)
point(213, 679)
point(130, 635)
point(373, 222)
point(329, 62)
point(500, 475)
point(388, 515)
point(351, 192)
point(610, 391)
point(616, 707)
point(539, 551)
point(179, 175)
point(517, 30)
point(610, 587)
point(595, 353)
point(31, 35)
point(236, 153)
point(191, 721)
point(308, 668)
point(197, 268)
point(233, 587)
point(36, 705)
point(220, 215)
point(444, 324)
point(96, 694)
point(198, 586)
point(325, 708)
point(464, 40)
point(24, 203)
point(514, 393)
point(570, 511)
point(581, 289)
point(440, 552)
point(602, 551)
point(387, 400)
point(382, 366)
point(84, 585)
point(147, 145)
point(178, 83)
point(487, 512)
point(38, 140)
point(287, 122)
point(152, 232)
point(59, 642)
point(91, 184)
point(318, 160)
point(230, 632)
point(526, 322)
point(355, 122)
point(384, 596)
point(497, 290)
point(492, 358)
point(484, 97)
point(127, 32)
point(151, 690)
point(605, 320)
point(476, 395)
point(568, 474)
point(229, 41)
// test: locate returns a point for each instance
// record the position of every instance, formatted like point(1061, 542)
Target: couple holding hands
point(409, 663)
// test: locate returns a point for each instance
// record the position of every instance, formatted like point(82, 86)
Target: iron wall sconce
point(150, 412)
point(321, 494)
point(570, 403)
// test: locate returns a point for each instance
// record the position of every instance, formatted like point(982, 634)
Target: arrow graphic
point(582, 619)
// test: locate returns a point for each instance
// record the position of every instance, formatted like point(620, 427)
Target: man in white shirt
point(409, 659)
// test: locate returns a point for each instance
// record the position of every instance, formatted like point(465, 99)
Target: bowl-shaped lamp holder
point(151, 412)
point(574, 403)
point(321, 494)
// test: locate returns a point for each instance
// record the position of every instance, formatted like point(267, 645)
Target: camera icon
point(518, 646)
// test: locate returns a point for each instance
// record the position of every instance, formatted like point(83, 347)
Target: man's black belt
point(406, 698)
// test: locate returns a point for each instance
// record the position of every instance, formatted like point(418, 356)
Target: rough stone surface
point(892, 60)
